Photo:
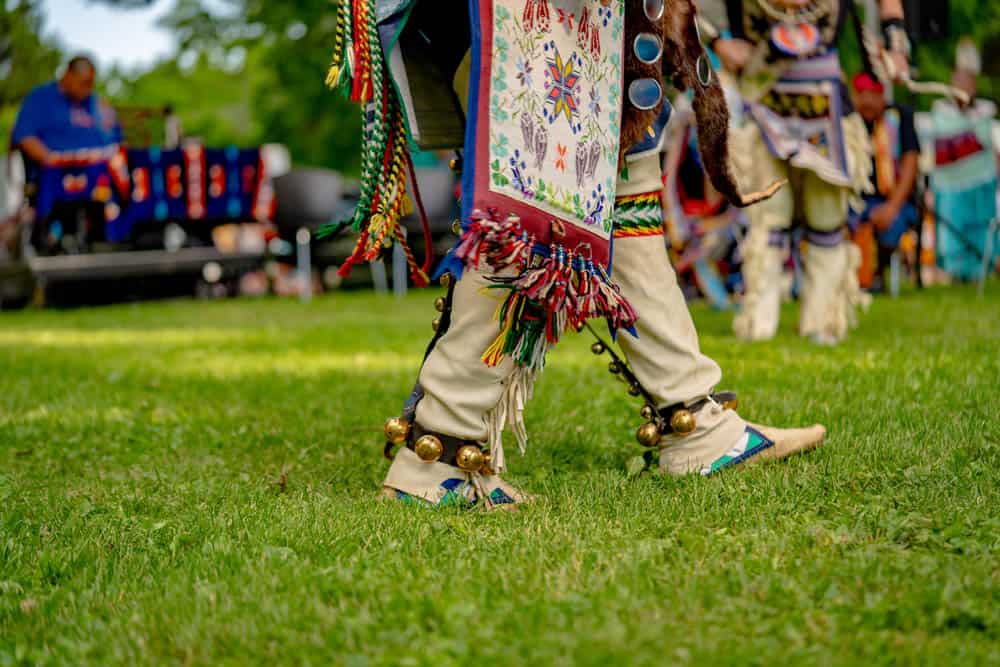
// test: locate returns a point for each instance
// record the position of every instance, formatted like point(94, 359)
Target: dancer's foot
point(438, 484)
point(722, 439)
point(764, 443)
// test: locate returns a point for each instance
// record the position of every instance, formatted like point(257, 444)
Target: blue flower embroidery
point(499, 146)
point(524, 71)
point(497, 110)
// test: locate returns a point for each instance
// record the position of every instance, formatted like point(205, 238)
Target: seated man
point(62, 117)
point(894, 168)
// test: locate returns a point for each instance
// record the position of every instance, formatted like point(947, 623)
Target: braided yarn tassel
point(360, 70)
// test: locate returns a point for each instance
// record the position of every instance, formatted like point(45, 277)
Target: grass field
point(195, 483)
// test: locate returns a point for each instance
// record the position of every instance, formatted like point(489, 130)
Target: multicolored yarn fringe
point(550, 289)
point(639, 215)
point(359, 68)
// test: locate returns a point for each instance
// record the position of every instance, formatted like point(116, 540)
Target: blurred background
point(229, 94)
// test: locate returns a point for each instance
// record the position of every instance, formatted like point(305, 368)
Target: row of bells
point(682, 423)
point(430, 449)
point(440, 303)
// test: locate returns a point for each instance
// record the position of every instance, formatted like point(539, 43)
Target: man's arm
point(713, 21)
point(892, 9)
point(34, 149)
point(909, 168)
point(897, 42)
point(27, 128)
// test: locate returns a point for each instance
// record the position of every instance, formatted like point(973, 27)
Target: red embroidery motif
point(175, 186)
point(140, 184)
point(536, 15)
point(583, 33)
point(74, 185)
point(217, 181)
point(566, 18)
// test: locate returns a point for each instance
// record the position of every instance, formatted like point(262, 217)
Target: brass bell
point(598, 348)
point(428, 449)
point(440, 303)
point(470, 458)
point(455, 164)
point(731, 405)
point(683, 422)
point(487, 468)
point(436, 324)
point(648, 435)
point(456, 228)
point(446, 280)
point(647, 412)
point(614, 368)
point(396, 430)
point(634, 390)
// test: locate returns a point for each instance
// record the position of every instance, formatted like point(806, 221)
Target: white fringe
point(858, 149)
point(509, 412)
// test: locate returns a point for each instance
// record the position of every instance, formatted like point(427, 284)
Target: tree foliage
point(26, 58)
point(252, 70)
point(280, 51)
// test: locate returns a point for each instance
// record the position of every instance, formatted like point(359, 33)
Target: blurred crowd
point(931, 215)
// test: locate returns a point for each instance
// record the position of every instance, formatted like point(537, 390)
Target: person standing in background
point(800, 127)
point(964, 179)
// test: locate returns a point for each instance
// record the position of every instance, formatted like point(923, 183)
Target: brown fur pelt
point(635, 121)
point(682, 49)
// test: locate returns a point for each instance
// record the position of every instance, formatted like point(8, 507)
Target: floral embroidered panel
point(553, 109)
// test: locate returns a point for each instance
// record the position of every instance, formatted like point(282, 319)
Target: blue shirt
point(64, 125)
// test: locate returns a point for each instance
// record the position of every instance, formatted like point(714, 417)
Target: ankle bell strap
point(430, 447)
point(679, 419)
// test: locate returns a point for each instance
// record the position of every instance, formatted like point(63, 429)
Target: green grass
point(195, 483)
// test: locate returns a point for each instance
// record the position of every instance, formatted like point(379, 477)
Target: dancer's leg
point(767, 244)
point(830, 290)
point(666, 358)
point(464, 399)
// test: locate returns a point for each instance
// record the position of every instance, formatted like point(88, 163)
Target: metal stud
point(396, 430)
point(614, 368)
point(436, 325)
point(654, 9)
point(683, 423)
point(598, 348)
point(446, 280)
point(704, 69)
point(647, 412)
point(440, 304)
point(470, 458)
point(428, 449)
point(634, 390)
point(648, 435)
point(645, 93)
